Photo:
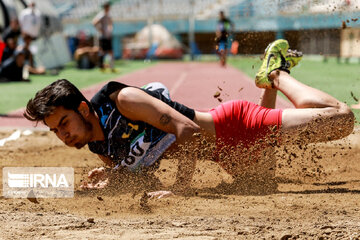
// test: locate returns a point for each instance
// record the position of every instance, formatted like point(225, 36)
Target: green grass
point(337, 79)
point(14, 95)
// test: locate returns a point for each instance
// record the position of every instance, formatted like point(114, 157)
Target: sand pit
point(316, 197)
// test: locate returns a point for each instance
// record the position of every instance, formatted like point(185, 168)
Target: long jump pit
point(313, 194)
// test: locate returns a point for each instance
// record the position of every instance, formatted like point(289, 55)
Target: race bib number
point(138, 149)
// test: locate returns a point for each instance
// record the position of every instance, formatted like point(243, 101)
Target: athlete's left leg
point(317, 117)
point(222, 51)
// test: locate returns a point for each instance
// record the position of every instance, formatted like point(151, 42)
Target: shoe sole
point(269, 55)
point(269, 48)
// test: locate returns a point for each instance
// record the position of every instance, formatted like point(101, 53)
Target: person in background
point(11, 70)
point(30, 21)
point(10, 37)
point(103, 23)
point(29, 59)
point(86, 54)
point(224, 29)
point(30, 24)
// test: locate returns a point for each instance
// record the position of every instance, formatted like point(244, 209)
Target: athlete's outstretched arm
point(98, 177)
point(137, 105)
point(107, 161)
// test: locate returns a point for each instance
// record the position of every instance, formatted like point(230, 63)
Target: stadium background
point(314, 27)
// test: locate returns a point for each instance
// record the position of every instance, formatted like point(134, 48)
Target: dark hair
point(59, 93)
point(106, 4)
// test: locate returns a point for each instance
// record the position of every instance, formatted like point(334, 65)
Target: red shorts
point(242, 123)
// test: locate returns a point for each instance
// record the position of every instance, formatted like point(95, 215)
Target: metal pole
point(150, 21)
point(192, 29)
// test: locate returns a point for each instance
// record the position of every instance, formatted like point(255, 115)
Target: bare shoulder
point(129, 99)
point(126, 94)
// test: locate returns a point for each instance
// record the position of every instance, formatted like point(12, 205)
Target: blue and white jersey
point(128, 143)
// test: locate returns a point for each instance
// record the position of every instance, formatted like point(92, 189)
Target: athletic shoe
point(292, 58)
point(273, 59)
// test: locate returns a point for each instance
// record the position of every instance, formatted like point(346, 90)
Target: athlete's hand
point(98, 177)
point(160, 194)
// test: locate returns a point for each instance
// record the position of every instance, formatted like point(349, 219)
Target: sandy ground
point(316, 197)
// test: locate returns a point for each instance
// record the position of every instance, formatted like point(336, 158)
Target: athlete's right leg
point(224, 56)
point(268, 98)
point(276, 56)
point(221, 48)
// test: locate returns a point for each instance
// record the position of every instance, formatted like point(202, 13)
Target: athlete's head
point(221, 15)
point(106, 6)
point(65, 110)
point(32, 4)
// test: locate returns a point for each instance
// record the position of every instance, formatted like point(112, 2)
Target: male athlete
point(131, 128)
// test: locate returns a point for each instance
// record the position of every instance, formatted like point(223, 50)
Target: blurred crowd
point(16, 58)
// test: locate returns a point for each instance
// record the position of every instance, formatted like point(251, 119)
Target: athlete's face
point(107, 8)
point(70, 127)
point(221, 15)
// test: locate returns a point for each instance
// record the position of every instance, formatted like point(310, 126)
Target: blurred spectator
point(30, 21)
point(225, 28)
point(29, 60)
point(12, 68)
point(103, 23)
point(86, 55)
point(10, 37)
point(12, 31)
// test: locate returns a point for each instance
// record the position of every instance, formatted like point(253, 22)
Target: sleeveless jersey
point(128, 143)
point(224, 26)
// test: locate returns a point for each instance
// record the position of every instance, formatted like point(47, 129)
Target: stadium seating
point(132, 10)
point(127, 10)
point(78, 9)
point(321, 6)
